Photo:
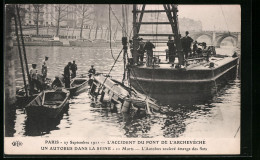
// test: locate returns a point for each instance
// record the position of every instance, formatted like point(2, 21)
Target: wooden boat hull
point(22, 101)
point(49, 105)
point(78, 85)
point(169, 85)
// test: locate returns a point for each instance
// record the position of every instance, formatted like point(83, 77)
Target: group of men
point(186, 42)
point(70, 71)
point(142, 48)
point(35, 78)
point(186, 52)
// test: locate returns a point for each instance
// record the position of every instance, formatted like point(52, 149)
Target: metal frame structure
point(171, 12)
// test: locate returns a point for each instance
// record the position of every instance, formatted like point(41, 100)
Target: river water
point(218, 117)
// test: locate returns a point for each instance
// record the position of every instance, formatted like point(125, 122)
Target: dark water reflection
point(219, 116)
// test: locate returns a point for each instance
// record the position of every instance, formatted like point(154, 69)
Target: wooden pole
point(24, 51)
point(20, 54)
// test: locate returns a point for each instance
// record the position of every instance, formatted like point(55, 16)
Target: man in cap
point(186, 44)
point(171, 49)
point(92, 71)
point(149, 50)
point(195, 48)
point(33, 76)
point(74, 69)
point(44, 67)
point(67, 75)
point(140, 49)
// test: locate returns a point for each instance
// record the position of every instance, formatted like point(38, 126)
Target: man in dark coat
point(149, 50)
point(140, 50)
point(74, 69)
point(67, 75)
point(195, 48)
point(171, 49)
point(186, 44)
point(92, 71)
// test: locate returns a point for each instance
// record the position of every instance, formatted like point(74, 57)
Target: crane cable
point(224, 18)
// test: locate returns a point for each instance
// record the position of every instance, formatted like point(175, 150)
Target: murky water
point(218, 117)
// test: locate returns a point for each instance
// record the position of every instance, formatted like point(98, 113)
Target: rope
point(117, 18)
point(224, 18)
point(110, 31)
point(110, 70)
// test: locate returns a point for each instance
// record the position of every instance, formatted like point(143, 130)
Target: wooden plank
point(153, 23)
point(151, 11)
point(141, 34)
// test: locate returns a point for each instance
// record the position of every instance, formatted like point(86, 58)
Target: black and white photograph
point(122, 79)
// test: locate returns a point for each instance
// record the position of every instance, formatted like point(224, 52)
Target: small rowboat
point(78, 85)
point(48, 104)
point(112, 90)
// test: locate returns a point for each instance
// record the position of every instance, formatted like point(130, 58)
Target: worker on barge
point(186, 44)
point(171, 50)
point(149, 50)
point(141, 50)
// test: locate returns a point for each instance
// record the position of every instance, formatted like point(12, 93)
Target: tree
point(61, 12)
point(37, 12)
point(101, 16)
point(85, 15)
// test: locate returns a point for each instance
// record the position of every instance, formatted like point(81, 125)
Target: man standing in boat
point(171, 50)
point(92, 71)
point(44, 68)
point(67, 75)
point(74, 69)
point(149, 50)
point(186, 44)
point(33, 75)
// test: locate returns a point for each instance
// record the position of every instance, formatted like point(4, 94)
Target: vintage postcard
point(122, 79)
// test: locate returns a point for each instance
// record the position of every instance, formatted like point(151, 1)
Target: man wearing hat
point(186, 44)
point(74, 69)
point(44, 67)
point(149, 50)
point(140, 49)
point(33, 75)
point(171, 48)
point(67, 75)
point(91, 71)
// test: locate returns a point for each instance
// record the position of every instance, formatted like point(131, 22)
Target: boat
point(110, 90)
point(81, 43)
point(78, 85)
point(198, 79)
point(34, 41)
point(48, 104)
point(94, 43)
